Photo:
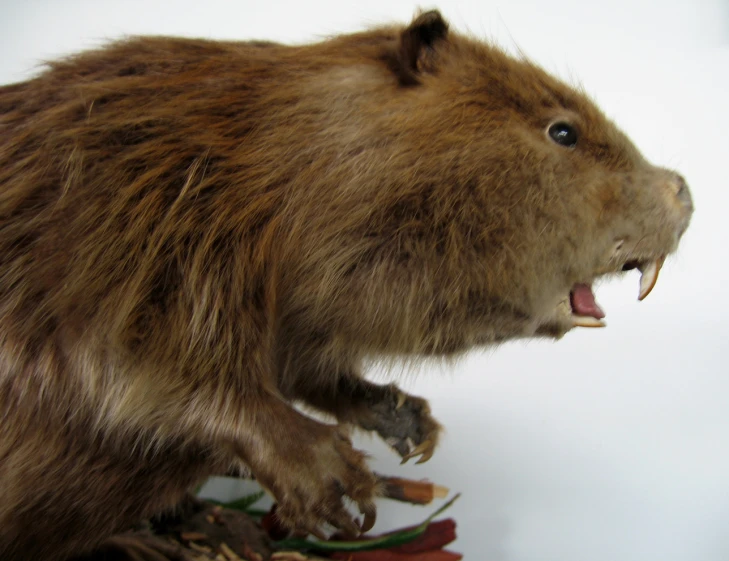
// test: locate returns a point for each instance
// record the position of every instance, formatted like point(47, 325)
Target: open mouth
point(586, 312)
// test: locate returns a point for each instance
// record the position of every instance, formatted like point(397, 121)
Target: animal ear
point(417, 47)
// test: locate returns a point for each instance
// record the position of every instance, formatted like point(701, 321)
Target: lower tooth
point(587, 321)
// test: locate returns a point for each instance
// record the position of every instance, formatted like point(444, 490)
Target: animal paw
point(404, 422)
point(310, 487)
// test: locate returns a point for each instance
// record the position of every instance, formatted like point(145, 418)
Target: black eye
point(563, 134)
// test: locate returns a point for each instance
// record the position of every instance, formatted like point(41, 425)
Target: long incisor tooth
point(649, 276)
point(586, 321)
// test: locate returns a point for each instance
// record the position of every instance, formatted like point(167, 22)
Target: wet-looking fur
point(195, 234)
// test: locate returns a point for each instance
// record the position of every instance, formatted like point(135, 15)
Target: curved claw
point(426, 455)
point(350, 529)
point(425, 448)
point(401, 399)
point(370, 515)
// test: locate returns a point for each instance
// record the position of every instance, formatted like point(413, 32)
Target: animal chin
point(586, 312)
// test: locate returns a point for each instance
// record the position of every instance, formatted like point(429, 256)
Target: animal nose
point(680, 187)
point(683, 196)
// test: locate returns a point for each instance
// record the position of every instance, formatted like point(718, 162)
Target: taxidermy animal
point(196, 235)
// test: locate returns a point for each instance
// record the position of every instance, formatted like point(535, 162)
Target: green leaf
point(245, 502)
point(383, 542)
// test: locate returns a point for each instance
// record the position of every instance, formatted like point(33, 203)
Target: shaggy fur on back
point(194, 234)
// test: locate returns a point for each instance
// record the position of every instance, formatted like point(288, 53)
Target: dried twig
point(410, 491)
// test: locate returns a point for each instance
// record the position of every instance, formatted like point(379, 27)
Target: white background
point(608, 445)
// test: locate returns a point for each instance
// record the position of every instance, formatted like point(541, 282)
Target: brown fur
point(194, 234)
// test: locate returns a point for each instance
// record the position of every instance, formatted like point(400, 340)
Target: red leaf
point(272, 525)
point(436, 536)
point(385, 555)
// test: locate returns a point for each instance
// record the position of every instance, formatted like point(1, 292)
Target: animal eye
point(563, 134)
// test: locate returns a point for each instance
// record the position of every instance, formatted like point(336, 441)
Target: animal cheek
point(611, 202)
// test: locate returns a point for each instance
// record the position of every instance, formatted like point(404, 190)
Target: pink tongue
point(583, 302)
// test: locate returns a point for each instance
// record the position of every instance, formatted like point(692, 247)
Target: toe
point(425, 449)
point(368, 509)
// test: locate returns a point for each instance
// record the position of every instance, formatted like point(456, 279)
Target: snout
point(681, 190)
point(681, 200)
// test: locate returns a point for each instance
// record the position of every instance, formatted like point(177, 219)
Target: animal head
point(478, 198)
